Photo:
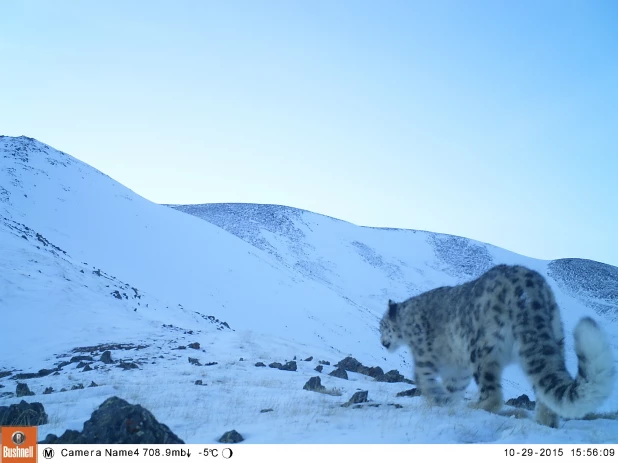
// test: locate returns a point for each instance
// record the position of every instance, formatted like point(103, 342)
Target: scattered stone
point(23, 414)
point(194, 345)
point(260, 364)
point(81, 365)
point(375, 372)
point(314, 384)
point(48, 390)
point(349, 364)
point(308, 359)
point(289, 366)
point(40, 374)
point(87, 367)
point(523, 401)
point(339, 373)
point(199, 382)
point(128, 366)
point(357, 398)
point(106, 357)
point(194, 361)
point(4, 374)
point(63, 389)
point(23, 390)
point(76, 387)
point(324, 362)
point(81, 358)
point(266, 410)
point(209, 364)
point(241, 359)
point(319, 368)
point(414, 392)
point(118, 422)
point(231, 437)
point(181, 348)
point(93, 384)
point(393, 376)
point(396, 405)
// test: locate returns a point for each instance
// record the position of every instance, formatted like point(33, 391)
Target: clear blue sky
point(496, 120)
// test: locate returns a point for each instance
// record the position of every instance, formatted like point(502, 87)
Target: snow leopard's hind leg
point(488, 364)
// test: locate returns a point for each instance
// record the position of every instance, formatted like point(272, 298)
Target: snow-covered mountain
point(89, 266)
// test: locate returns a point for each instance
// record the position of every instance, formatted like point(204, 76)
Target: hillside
point(89, 266)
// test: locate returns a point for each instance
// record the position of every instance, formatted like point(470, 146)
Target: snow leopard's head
point(390, 335)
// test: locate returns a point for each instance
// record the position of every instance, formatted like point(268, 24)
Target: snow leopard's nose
point(386, 344)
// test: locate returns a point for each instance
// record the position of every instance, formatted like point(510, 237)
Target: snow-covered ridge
point(297, 237)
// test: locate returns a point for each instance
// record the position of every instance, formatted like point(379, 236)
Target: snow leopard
point(473, 330)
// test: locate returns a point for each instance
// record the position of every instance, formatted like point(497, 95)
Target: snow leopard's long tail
point(574, 398)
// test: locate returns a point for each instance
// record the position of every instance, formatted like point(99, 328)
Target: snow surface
point(85, 262)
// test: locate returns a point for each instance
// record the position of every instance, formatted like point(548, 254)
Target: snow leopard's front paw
point(437, 396)
point(491, 404)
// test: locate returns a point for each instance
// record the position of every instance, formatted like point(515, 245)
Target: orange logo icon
point(18, 444)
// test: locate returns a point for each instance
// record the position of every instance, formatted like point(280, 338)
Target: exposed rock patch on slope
point(593, 283)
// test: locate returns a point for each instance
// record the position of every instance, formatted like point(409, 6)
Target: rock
point(339, 373)
point(308, 359)
point(260, 364)
point(48, 390)
point(93, 384)
point(523, 401)
point(87, 367)
point(40, 374)
point(194, 361)
point(199, 382)
point(128, 366)
point(266, 410)
point(23, 414)
point(324, 362)
point(76, 387)
point(314, 384)
point(392, 376)
point(4, 374)
point(106, 357)
point(81, 358)
point(375, 372)
point(231, 437)
point(357, 398)
point(276, 365)
point(409, 393)
point(396, 405)
point(319, 368)
point(289, 366)
point(118, 422)
point(349, 364)
point(209, 364)
point(23, 390)
point(194, 345)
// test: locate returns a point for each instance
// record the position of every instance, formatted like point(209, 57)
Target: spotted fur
point(475, 329)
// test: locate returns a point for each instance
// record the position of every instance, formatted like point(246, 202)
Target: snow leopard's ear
point(392, 309)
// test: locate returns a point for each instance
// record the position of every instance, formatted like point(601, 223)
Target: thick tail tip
point(594, 350)
point(589, 339)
